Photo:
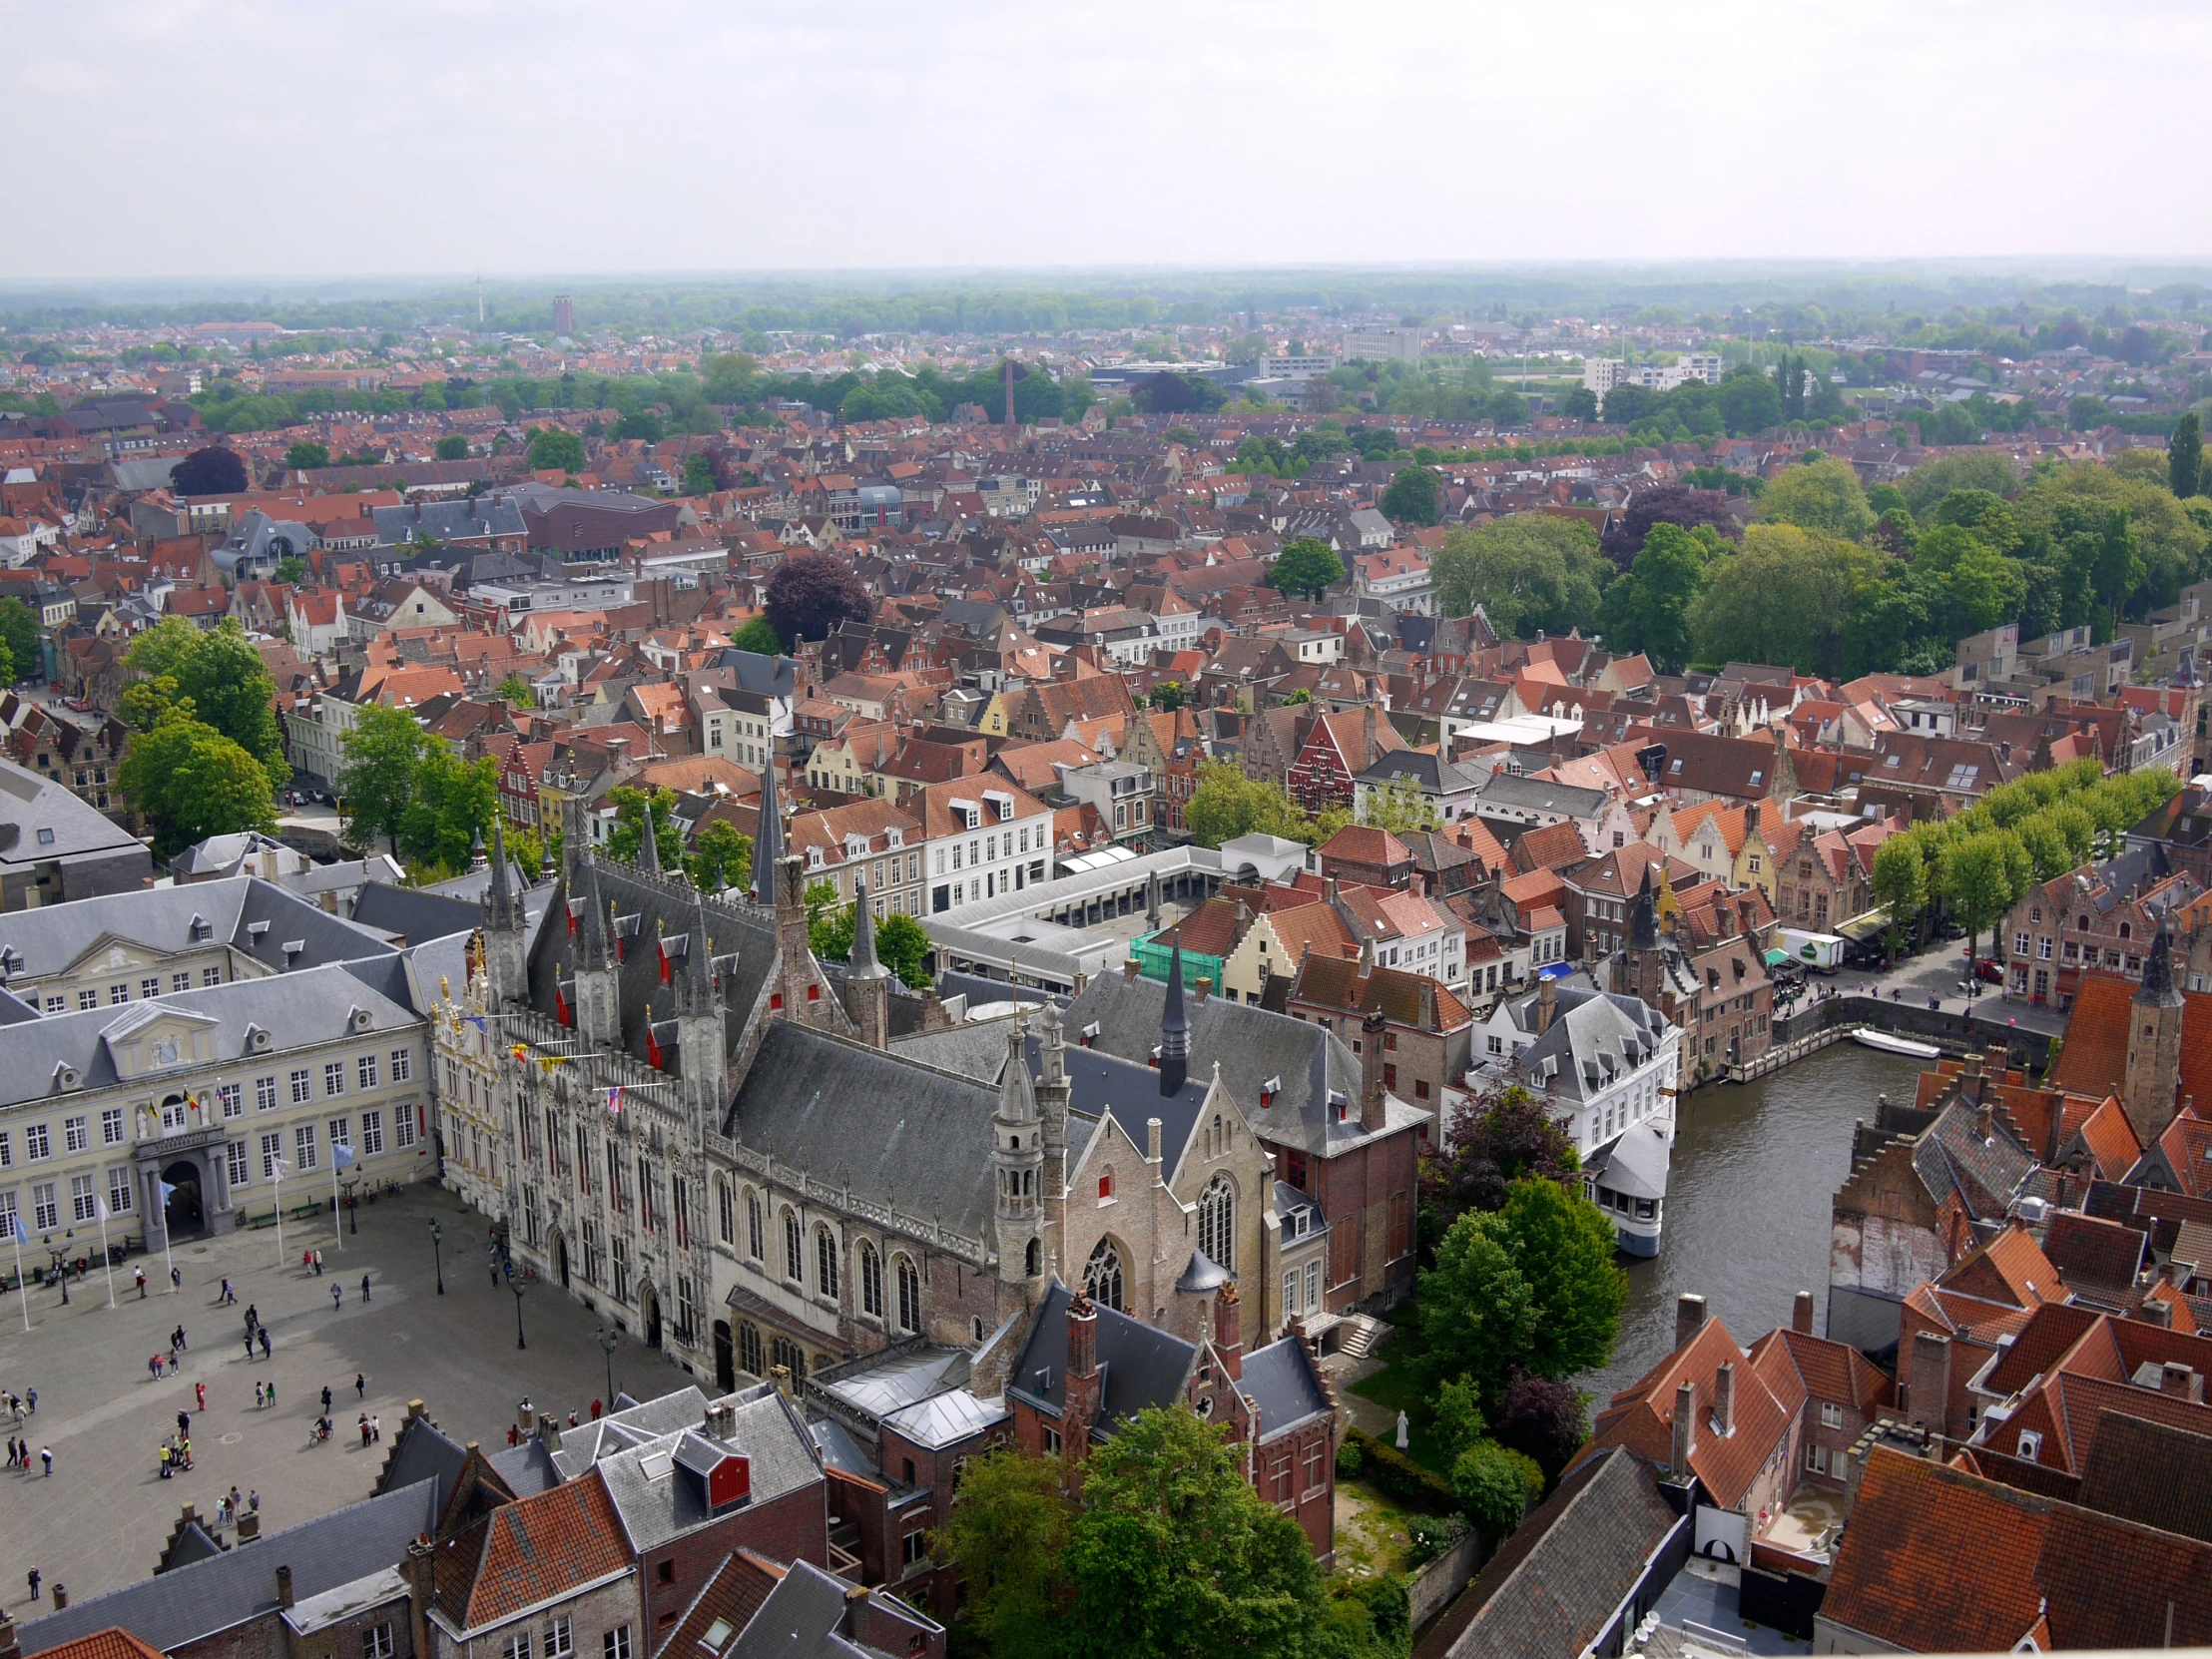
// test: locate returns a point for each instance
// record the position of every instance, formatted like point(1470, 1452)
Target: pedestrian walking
point(184, 1423)
point(360, 1386)
point(338, 1296)
point(495, 1275)
point(252, 1315)
point(273, 1392)
point(34, 1583)
point(595, 1410)
point(163, 1467)
point(375, 1427)
point(199, 1392)
point(512, 1436)
point(254, 1500)
point(153, 1366)
point(325, 1400)
point(176, 1278)
point(365, 1287)
point(46, 1456)
point(319, 1264)
point(265, 1347)
point(30, 1398)
point(180, 1343)
point(140, 1275)
point(250, 1344)
point(257, 1395)
point(365, 1431)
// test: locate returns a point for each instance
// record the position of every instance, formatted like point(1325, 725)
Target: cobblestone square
point(101, 1520)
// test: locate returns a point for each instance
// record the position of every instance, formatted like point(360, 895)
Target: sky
point(327, 138)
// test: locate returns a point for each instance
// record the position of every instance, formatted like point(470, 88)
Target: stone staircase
point(1362, 1334)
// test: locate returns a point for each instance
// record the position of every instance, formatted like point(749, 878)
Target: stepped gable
point(643, 908)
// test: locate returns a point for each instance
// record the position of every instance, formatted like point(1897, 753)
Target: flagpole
point(276, 1173)
point(336, 1219)
point(100, 1206)
point(23, 1293)
point(168, 1265)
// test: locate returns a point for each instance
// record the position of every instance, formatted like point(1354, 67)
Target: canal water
point(1747, 1226)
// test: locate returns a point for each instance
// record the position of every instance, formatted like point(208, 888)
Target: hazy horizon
point(680, 141)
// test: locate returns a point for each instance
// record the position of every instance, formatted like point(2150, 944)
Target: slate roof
point(1140, 1365)
point(799, 1620)
point(658, 1506)
point(1554, 1584)
point(886, 1126)
point(202, 1597)
point(1594, 1037)
point(2156, 1473)
point(50, 938)
point(1282, 1383)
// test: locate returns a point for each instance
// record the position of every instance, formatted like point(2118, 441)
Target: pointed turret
point(865, 964)
point(1643, 920)
point(476, 850)
point(593, 949)
point(698, 988)
point(649, 844)
point(2155, 1043)
point(2157, 990)
point(1175, 1030)
point(499, 896)
point(598, 1008)
point(867, 982)
point(768, 842)
point(1017, 1158)
point(504, 956)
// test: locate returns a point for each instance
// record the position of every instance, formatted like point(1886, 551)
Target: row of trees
point(1977, 865)
point(1839, 581)
point(1226, 803)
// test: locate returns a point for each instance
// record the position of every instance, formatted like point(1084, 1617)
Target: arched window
point(1217, 1217)
point(1032, 1262)
point(795, 1252)
point(787, 1353)
point(910, 1296)
point(871, 1282)
point(1102, 1275)
point(1217, 1138)
point(754, 1231)
point(725, 1219)
point(1106, 1184)
point(749, 1348)
point(825, 1261)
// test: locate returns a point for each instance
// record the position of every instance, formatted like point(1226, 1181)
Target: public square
point(100, 1521)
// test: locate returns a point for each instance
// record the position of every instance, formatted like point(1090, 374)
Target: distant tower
point(1018, 1168)
point(479, 299)
point(598, 967)
point(1645, 963)
point(505, 958)
point(767, 842)
point(564, 314)
point(2154, 1042)
point(1175, 1031)
point(867, 982)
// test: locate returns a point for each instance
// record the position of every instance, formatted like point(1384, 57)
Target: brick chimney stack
point(1685, 1425)
point(1081, 1408)
point(1548, 1005)
point(1724, 1396)
point(1227, 1331)
point(283, 1586)
point(1371, 1034)
point(1927, 1385)
point(1801, 1314)
point(1689, 1315)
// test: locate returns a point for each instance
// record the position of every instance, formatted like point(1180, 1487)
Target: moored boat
point(1892, 1044)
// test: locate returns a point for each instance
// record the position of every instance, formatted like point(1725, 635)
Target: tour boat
point(1890, 1044)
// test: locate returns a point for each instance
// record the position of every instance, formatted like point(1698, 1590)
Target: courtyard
point(103, 1518)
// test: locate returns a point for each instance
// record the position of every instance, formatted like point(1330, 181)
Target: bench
point(257, 1223)
point(302, 1212)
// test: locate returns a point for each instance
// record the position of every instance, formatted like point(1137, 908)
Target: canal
point(1747, 1202)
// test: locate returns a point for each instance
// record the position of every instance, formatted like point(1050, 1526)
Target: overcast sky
point(180, 137)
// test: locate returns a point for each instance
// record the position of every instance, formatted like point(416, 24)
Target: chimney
point(722, 1419)
point(1372, 1035)
point(1689, 1315)
point(1724, 1396)
point(419, 1569)
point(2156, 1310)
point(1228, 1331)
point(1079, 1409)
point(1685, 1425)
point(2178, 1379)
point(1152, 1142)
point(1801, 1314)
point(11, 1646)
point(61, 1597)
point(1201, 988)
point(1927, 1389)
point(1548, 1005)
point(283, 1586)
point(250, 1527)
point(1129, 970)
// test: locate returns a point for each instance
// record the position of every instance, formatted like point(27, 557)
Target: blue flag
point(341, 1155)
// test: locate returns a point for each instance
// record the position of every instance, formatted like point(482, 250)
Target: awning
point(1862, 928)
point(1775, 958)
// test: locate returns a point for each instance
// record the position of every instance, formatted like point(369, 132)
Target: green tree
point(1401, 808)
point(1305, 565)
point(515, 691)
point(552, 450)
point(699, 474)
point(644, 425)
point(1975, 874)
point(1648, 609)
point(1475, 1307)
point(1174, 1554)
point(1929, 482)
point(306, 455)
point(384, 752)
point(1414, 496)
point(1564, 1248)
point(1007, 1533)
point(290, 570)
point(234, 693)
point(191, 781)
point(1527, 572)
point(2185, 457)
point(19, 632)
point(454, 802)
point(1748, 402)
point(1901, 884)
point(1493, 1487)
point(627, 839)
point(758, 636)
point(1787, 598)
point(452, 447)
point(1226, 803)
point(721, 856)
point(1824, 495)
point(902, 947)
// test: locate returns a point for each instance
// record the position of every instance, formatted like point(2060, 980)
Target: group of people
point(19, 1454)
point(255, 1329)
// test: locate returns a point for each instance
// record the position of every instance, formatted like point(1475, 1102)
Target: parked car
point(1990, 971)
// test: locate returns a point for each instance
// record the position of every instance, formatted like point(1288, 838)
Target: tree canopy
point(1529, 572)
point(811, 593)
point(1307, 565)
point(191, 781)
point(215, 471)
point(1414, 496)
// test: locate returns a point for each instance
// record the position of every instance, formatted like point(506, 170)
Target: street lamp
point(607, 1341)
point(354, 1216)
point(438, 1236)
point(516, 1287)
point(58, 1267)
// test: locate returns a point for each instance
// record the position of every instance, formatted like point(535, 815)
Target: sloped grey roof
point(1201, 1274)
point(196, 1601)
point(1635, 1163)
point(32, 807)
point(1280, 1380)
point(309, 1006)
point(634, 1424)
point(1511, 789)
point(1594, 1037)
point(798, 1620)
point(656, 1508)
point(1140, 1364)
point(412, 915)
point(895, 1131)
point(48, 939)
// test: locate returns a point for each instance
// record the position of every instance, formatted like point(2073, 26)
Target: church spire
point(768, 840)
point(649, 843)
point(500, 897)
point(864, 963)
point(698, 966)
point(2157, 990)
point(592, 951)
point(1175, 1030)
point(1644, 925)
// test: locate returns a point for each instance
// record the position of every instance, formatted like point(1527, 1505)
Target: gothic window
point(749, 1348)
point(787, 1353)
point(755, 1241)
point(825, 1261)
point(910, 1296)
point(871, 1282)
point(1102, 1275)
point(794, 1251)
point(1033, 1259)
point(1217, 1215)
point(725, 1213)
